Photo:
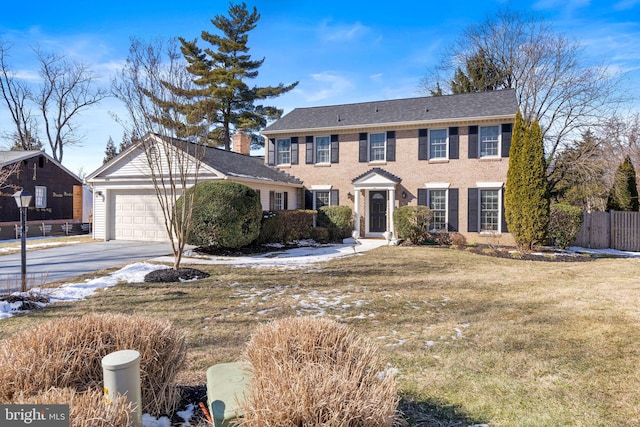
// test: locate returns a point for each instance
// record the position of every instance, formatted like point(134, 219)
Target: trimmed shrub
point(412, 223)
point(225, 214)
point(338, 220)
point(320, 235)
point(286, 226)
point(86, 409)
point(68, 352)
point(458, 240)
point(564, 225)
point(316, 372)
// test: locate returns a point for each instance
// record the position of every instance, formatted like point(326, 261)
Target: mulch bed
point(169, 275)
point(543, 254)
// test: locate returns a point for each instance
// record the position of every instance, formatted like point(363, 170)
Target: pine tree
point(624, 192)
point(527, 191)
point(110, 151)
point(224, 99)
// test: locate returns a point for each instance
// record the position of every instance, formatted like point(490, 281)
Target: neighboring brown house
point(57, 192)
point(449, 153)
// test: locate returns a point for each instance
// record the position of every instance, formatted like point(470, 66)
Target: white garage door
point(137, 216)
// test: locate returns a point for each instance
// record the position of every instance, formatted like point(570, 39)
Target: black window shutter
point(333, 196)
point(422, 197)
point(454, 145)
point(308, 199)
point(472, 217)
point(473, 142)
point(506, 139)
point(335, 149)
point(505, 228)
point(453, 209)
point(391, 146)
point(308, 142)
point(272, 200)
point(272, 151)
point(423, 144)
point(294, 150)
point(285, 200)
point(363, 148)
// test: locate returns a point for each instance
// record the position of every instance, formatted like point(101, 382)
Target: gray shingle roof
point(243, 166)
point(424, 109)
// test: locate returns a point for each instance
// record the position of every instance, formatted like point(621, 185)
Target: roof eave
point(391, 124)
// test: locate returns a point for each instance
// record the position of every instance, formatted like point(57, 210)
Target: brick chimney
point(241, 142)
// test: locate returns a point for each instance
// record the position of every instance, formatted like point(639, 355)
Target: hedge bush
point(412, 223)
point(316, 372)
point(225, 214)
point(68, 352)
point(338, 220)
point(564, 224)
point(286, 226)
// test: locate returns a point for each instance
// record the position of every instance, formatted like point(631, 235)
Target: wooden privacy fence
point(615, 230)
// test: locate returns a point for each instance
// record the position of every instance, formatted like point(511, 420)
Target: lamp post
point(23, 199)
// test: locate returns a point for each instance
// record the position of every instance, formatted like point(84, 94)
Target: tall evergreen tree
point(224, 99)
point(110, 151)
point(624, 192)
point(527, 191)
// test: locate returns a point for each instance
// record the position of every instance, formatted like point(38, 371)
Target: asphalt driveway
point(64, 262)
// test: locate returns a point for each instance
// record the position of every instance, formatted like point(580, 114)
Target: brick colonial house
point(449, 153)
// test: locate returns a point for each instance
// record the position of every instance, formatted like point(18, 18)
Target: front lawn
point(476, 339)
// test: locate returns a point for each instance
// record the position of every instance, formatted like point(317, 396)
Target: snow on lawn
point(132, 273)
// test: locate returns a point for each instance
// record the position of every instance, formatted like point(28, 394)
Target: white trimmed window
point(489, 141)
point(438, 206)
point(489, 210)
point(41, 197)
point(283, 151)
point(323, 149)
point(377, 147)
point(438, 144)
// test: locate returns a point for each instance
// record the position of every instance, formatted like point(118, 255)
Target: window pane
point(41, 197)
point(278, 201)
point(489, 210)
point(284, 151)
point(323, 149)
point(489, 141)
point(376, 147)
point(322, 199)
point(438, 205)
point(438, 144)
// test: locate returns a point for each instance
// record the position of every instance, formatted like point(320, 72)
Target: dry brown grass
point(67, 353)
point(476, 339)
point(86, 409)
point(316, 372)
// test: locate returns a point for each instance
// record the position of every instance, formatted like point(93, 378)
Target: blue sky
point(339, 51)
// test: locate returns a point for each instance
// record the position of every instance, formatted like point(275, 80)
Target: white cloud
point(324, 85)
point(331, 32)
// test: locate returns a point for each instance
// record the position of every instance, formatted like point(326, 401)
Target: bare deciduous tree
point(553, 79)
point(16, 95)
point(67, 88)
point(66, 91)
point(153, 122)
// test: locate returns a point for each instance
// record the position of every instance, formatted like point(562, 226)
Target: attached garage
point(125, 206)
point(136, 216)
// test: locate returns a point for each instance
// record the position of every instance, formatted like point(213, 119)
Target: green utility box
point(226, 386)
